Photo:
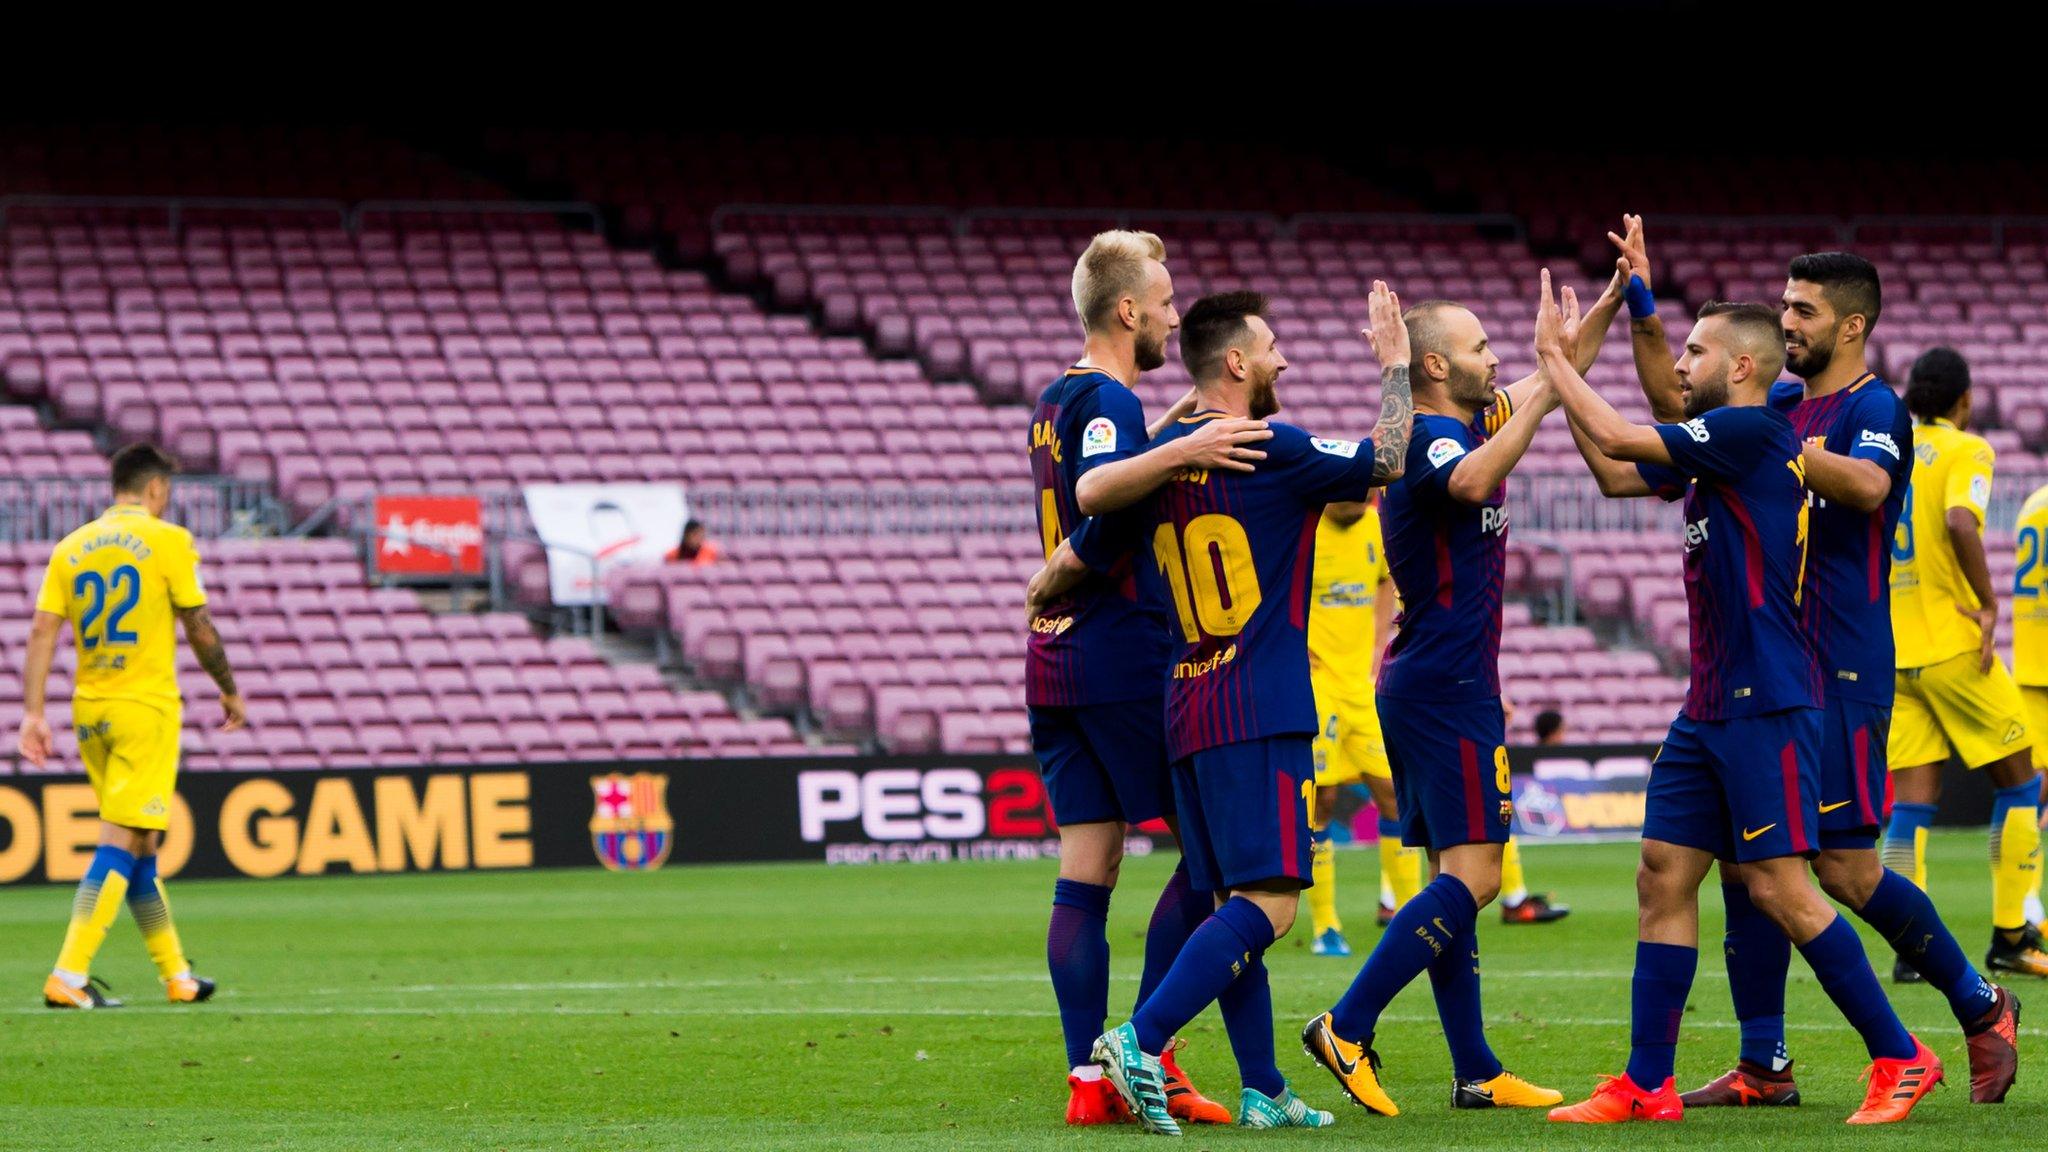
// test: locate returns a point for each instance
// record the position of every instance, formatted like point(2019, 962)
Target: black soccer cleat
point(1904, 973)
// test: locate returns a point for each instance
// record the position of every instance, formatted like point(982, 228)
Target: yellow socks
point(93, 910)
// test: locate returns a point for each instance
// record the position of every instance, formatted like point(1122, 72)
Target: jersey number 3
point(124, 585)
point(1209, 566)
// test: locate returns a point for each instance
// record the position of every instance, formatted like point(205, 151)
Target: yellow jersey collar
point(1945, 422)
point(125, 509)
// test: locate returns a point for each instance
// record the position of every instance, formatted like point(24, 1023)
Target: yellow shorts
point(1349, 747)
point(2034, 704)
point(131, 756)
point(1953, 704)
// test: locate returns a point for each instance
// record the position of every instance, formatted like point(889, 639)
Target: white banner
point(614, 525)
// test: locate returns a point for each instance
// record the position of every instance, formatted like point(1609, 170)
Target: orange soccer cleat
point(1618, 1100)
point(189, 989)
point(1994, 1050)
point(1183, 1103)
point(1897, 1085)
point(1094, 1102)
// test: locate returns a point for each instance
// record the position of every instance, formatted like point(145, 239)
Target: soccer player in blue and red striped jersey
point(1096, 660)
point(1737, 776)
point(1236, 551)
point(1445, 523)
point(1858, 454)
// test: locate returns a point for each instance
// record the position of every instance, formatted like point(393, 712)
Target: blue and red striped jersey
point(1744, 485)
point(1847, 596)
point(1237, 552)
point(1102, 643)
point(1449, 561)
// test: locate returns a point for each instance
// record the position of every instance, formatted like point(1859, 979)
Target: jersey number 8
point(1209, 565)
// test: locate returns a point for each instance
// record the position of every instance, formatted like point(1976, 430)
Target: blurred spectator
point(1550, 726)
point(693, 549)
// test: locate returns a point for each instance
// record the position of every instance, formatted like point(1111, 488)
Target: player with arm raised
point(1736, 777)
point(1857, 449)
point(1439, 700)
point(121, 581)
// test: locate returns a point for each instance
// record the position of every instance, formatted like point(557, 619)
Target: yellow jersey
point(1951, 469)
point(1351, 564)
point(121, 580)
point(2029, 603)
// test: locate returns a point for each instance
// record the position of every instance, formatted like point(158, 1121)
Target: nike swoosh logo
point(1438, 921)
point(1748, 835)
point(1826, 808)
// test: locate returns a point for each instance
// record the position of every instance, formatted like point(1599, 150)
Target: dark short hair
point(690, 526)
point(1848, 281)
point(1426, 328)
point(1756, 325)
point(1936, 383)
point(1208, 329)
point(138, 464)
point(1548, 722)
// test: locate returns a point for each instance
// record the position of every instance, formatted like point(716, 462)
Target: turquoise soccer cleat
point(1259, 1110)
point(1330, 942)
point(1137, 1077)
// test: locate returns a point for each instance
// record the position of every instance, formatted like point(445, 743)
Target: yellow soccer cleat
point(189, 989)
point(1506, 1090)
point(1356, 1067)
point(58, 994)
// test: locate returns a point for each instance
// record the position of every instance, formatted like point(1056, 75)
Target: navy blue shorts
point(1741, 789)
point(1244, 812)
point(1855, 777)
point(1104, 761)
point(1450, 765)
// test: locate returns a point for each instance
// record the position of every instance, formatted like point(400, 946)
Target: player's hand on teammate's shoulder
point(1635, 251)
point(1226, 443)
point(1386, 332)
point(34, 741)
point(235, 714)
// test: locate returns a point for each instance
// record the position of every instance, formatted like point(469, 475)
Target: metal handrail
point(583, 208)
point(963, 220)
point(47, 508)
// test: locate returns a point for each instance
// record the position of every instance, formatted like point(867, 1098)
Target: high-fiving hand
point(1388, 333)
point(1635, 251)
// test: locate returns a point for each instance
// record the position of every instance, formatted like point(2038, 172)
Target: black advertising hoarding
point(624, 816)
point(645, 814)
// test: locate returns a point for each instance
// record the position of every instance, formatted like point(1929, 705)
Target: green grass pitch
point(854, 1008)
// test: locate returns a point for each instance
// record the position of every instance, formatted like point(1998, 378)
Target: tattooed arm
point(1388, 336)
point(205, 640)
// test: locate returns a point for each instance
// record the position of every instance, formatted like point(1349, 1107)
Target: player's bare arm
point(1225, 444)
point(1654, 370)
point(1606, 429)
point(1846, 480)
point(1614, 477)
point(34, 741)
point(1964, 536)
point(1388, 336)
point(1062, 571)
point(206, 645)
point(1478, 474)
point(1584, 338)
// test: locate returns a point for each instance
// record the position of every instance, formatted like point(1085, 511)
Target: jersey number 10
point(126, 584)
point(1209, 566)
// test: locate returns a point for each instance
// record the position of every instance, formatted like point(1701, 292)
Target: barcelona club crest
point(630, 828)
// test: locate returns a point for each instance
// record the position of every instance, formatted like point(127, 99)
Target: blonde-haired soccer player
point(120, 581)
point(1953, 691)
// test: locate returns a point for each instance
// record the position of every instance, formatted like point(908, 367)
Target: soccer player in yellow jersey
point(1351, 603)
point(2030, 635)
point(120, 581)
point(1953, 691)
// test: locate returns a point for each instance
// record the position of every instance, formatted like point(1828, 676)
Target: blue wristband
point(1641, 305)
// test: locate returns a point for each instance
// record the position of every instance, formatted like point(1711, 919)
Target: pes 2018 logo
point(631, 829)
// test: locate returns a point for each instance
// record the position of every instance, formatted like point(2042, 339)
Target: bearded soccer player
point(1097, 656)
point(121, 581)
point(1953, 691)
point(1857, 451)
point(1440, 699)
point(1236, 551)
point(1736, 777)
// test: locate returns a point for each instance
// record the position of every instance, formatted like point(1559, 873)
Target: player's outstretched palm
point(34, 742)
point(1550, 319)
point(1634, 249)
point(1388, 333)
point(1227, 444)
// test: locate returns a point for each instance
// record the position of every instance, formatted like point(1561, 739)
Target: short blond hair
point(1112, 268)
